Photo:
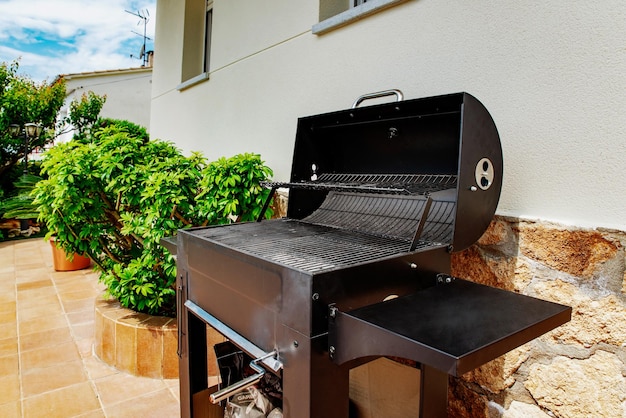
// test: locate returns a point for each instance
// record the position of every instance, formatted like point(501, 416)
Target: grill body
point(280, 301)
point(379, 197)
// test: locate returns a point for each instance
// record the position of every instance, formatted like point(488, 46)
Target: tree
point(84, 114)
point(22, 101)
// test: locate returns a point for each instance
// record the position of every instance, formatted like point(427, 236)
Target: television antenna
point(145, 16)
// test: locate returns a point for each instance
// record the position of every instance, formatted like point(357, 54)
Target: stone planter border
point(139, 344)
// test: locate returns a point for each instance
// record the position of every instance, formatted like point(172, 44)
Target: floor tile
point(85, 347)
point(78, 294)
point(44, 339)
point(39, 380)
point(62, 403)
point(78, 305)
point(97, 369)
point(72, 277)
point(9, 365)
point(92, 414)
point(50, 356)
point(51, 309)
point(8, 347)
point(7, 318)
point(8, 331)
point(81, 317)
point(175, 389)
point(7, 298)
point(82, 331)
point(11, 409)
point(36, 293)
point(6, 264)
point(9, 389)
point(27, 303)
point(43, 323)
point(7, 289)
point(108, 387)
point(30, 273)
point(38, 284)
point(152, 405)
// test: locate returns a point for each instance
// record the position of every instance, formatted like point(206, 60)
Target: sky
point(54, 37)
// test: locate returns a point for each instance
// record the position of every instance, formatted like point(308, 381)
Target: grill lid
point(445, 148)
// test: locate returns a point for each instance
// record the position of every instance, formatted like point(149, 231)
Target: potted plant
point(22, 209)
point(64, 261)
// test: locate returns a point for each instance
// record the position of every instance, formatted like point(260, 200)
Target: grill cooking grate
point(364, 217)
point(306, 247)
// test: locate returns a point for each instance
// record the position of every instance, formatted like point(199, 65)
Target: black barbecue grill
point(379, 197)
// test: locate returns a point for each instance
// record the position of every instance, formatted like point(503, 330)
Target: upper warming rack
point(403, 184)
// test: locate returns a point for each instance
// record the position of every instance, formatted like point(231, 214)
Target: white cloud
point(69, 36)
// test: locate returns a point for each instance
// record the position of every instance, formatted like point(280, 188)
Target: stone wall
point(578, 369)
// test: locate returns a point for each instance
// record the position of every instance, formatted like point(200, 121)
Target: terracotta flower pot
point(61, 262)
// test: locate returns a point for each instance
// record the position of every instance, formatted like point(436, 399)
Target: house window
point(208, 29)
point(198, 27)
point(337, 13)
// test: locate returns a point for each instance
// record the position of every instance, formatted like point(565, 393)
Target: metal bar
point(180, 288)
point(237, 387)
point(408, 184)
point(420, 226)
point(241, 342)
point(266, 204)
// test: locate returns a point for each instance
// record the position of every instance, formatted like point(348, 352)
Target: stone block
point(593, 387)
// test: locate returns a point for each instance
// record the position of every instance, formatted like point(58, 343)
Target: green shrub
point(116, 195)
point(21, 205)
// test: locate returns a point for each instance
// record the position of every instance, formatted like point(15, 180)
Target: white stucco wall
point(128, 92)
point(552, 74)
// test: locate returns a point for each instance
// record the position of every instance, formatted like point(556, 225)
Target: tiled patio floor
point(47, 366)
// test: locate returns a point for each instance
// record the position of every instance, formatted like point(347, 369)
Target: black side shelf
point(453, 327)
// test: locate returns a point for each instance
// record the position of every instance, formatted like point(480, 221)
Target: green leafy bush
point(21, 205)
point(116, 195)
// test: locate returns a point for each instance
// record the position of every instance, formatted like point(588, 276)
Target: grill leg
point(192, 363)
point(433, 393)
point(313, 386)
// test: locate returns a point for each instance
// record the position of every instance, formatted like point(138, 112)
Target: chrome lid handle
point(376, 95)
